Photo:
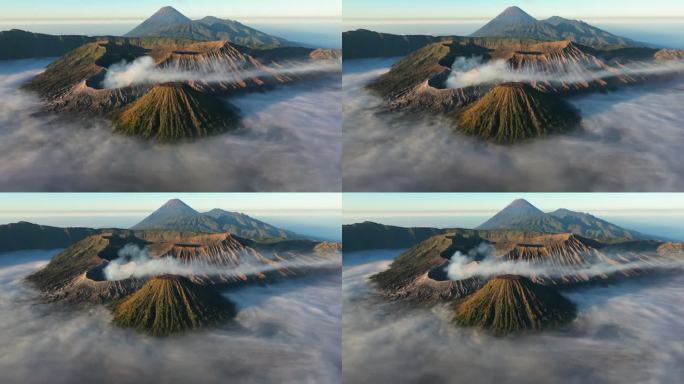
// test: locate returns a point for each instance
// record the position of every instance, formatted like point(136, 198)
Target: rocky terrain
point(78, 274)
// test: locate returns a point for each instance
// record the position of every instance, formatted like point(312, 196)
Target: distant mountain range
point(518, 218)
point(168, 22)
point(523, 216)
point(514, 22)
point(512, 26)
point(176, 215)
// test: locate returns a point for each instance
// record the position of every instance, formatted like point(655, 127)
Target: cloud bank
point(629, 141)
point(623, 333)
point(287, 332)
point(290, 141)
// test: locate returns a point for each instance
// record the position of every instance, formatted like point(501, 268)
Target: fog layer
point(629, 141)
point(290, 141)
point(624, 333)
point(284, 333)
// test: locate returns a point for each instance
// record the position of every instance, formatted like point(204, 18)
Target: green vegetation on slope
point(174, 111)
point(513, 112)
point(172, 304)
point(17, 44)
point(23, 235)
point(510, 303)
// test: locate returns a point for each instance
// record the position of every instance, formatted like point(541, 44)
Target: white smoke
point(470, 71)
point(144, 70)
point(134, 261)
point(463, 266)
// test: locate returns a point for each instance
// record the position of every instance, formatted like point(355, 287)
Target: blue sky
point(444, 9)
point(138, 9)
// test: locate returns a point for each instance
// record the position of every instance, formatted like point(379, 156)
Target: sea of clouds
point(290, 141)
point(287, 332)
point(623, 333)
point(629, 141)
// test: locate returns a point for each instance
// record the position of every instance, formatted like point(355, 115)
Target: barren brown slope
point(172, 304)
point(512, 112)
point(175, 111)
point(513, 304)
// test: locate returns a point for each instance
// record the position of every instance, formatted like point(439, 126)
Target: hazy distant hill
point(24, 235)
point(168, 22)
point(176, 215)
point(514, 22)
point(18, 44)
point(523, 216)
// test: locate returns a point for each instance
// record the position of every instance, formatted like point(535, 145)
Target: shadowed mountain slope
point(24, 235)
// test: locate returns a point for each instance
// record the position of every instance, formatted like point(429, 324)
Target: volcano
point(512, 303)
point(174, 111)
point(171, 304)
point(512, 112)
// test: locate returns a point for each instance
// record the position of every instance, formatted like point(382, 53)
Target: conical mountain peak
point(169, 14)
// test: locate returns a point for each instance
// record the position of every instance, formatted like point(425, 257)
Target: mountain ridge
point(514, 22)
point(169, 22)
point(176, 215)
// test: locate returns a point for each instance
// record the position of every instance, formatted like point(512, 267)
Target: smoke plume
point(144, 70)
point(134, 261)
point(480, 262)
point(471, 71)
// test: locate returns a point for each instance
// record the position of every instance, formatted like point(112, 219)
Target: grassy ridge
point(170, 112)
point(513, 304)
point(513, 112)
point(172, 304)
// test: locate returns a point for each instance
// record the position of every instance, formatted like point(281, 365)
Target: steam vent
point(511, 303)
point(175, 111)
point(171, 304)
point(513, 112)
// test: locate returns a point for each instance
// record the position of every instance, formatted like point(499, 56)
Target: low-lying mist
point(629, 140)
point(288, 332)
point(144, 70)
point(469, 71)
point(290, 141)
point(134, 261)
point(624, 333)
